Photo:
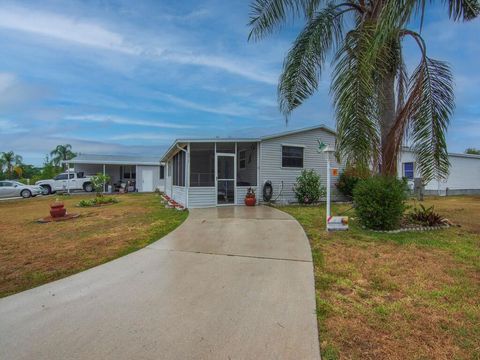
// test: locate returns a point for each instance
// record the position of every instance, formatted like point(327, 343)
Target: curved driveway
point(229, 283)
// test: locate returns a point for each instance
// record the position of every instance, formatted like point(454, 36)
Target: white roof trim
point(111, 162)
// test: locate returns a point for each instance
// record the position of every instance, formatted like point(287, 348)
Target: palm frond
point(266, 15)
point(303, 64)
point(355, 99)
point(431, 108)
point(463, 9)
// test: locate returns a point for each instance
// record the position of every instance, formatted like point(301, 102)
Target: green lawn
point(32, 254)
point(397, 296)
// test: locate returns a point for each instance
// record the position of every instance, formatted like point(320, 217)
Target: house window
point(408, 170)
point(129, 172)
point(292, 156)
point(242, 159)
point(179, 169)
point(162, 172)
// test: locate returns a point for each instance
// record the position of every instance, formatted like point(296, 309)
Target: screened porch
point(212, 173)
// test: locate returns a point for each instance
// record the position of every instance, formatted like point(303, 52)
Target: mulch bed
point(49, 219)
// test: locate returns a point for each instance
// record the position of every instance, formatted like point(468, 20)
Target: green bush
point(99, 200)
point(308, 188)
point(98, 182)
point(380, 202)
point(349, 178)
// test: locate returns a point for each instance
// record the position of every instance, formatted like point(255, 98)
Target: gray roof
point(115, 159)
point(470, 156)
point(173, 149)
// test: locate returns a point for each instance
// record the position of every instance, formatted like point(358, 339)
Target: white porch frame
point(234, 156)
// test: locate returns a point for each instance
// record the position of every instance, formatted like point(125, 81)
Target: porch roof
point(114, 159)
point(173, 149)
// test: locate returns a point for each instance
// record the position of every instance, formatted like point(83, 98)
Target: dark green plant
point(472, 151)
point(308, 188)
point(425, 216)
point(377, 102)
point(62, 153)
point(380, 202)
point(349, 178)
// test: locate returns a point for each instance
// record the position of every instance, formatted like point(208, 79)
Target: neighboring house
point(464, 177)
point(145, 172)
point(215, 172)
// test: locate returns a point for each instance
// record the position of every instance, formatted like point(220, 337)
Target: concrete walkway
point(230, 283)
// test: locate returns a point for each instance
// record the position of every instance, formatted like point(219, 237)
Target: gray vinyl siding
point(201, 197)
point(179, 194)
point(271, 162)
point(241, 192)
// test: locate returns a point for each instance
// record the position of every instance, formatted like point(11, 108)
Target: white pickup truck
point(78, 181)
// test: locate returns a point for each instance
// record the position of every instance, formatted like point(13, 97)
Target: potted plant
point(57, 209)
point(250, 199)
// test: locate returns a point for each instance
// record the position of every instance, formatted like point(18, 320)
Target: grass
point(32, 254)
point(398, 296)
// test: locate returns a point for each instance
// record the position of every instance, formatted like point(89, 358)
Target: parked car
point(61, 182)
point(10, 188)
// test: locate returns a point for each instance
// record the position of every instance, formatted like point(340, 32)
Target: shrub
point(98, 182)
point(97, 201)
point(380, 202)
point(425, 216)
point(349, 178)
point(308, 188)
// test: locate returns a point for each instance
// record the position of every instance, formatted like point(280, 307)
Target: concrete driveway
point(230, 283)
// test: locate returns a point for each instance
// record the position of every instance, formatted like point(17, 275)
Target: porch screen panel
point(179, 169)
point(202, 164)
point(226, 147)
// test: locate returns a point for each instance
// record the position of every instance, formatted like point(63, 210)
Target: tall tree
point(472, 151)
point(377, 103)
point(62, 153)
point(10, 162)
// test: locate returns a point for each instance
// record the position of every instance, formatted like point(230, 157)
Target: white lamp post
point(328, 151)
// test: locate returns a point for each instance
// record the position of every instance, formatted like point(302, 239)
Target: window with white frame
point(408, 170)
point(292, 156)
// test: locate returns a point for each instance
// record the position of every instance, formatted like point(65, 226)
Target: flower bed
point(98, 201)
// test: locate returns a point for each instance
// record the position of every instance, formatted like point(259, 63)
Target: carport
point(136, 173)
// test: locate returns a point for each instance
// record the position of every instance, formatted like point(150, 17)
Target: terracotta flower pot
point(250, 201)
point(57, 210)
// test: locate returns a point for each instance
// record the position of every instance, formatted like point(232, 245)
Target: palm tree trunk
point(387, 121)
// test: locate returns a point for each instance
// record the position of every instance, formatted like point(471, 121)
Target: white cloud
point(229, 110)
point(9, 127)
point(14, 92)
point(88, 33)
point(143, 136)
point(63, 28)
point(126, 121)
point(221, 63)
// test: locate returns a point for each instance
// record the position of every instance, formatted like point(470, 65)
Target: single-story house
point(144, 173)
point(464, 177)
point(219, 171)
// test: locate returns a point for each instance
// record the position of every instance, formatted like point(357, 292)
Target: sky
point(129, 77)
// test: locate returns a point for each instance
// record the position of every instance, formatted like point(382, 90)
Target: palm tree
point(62, 153)
point(10, 162)
point(377, 103)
